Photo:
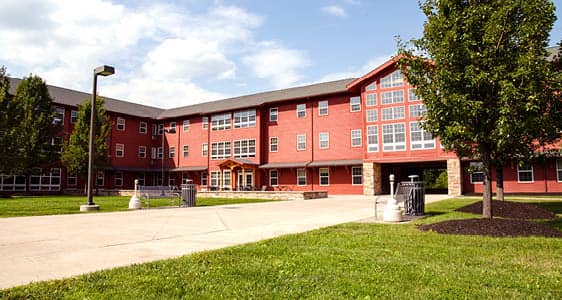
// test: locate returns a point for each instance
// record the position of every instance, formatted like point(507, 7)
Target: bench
point(159, 192)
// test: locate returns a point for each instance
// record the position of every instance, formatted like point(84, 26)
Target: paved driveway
point(48, 247)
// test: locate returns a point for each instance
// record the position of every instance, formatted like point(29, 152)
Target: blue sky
point(171, 54)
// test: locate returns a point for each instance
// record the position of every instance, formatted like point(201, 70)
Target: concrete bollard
point(392, 211)
point(135, 202)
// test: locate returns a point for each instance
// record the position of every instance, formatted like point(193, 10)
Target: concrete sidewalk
point(49, 247)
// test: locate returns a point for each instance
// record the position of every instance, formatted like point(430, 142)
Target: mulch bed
point(512, 221)
point(511, 210)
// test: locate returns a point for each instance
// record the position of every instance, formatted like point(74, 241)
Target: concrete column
point(454, 177)
point(372, 179)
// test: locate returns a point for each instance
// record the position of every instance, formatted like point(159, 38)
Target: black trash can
point(188, 194)
point(414, 204)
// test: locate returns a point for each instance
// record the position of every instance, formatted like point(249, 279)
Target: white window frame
point(301, 110)
point(477, 168)
point(392, 97)
point(71, 179)
point(204, 149)
point(393, 113)
point(171, 152)
point(372, 133)
point(271, 177)
point(185, 150)
point(426, 140)
point(301, 136)
point(371, 99)
point(326, 176)
point(73, 116)
point(204, 180)
point(119, 150)
point(171, 181)
point(222, 149)
point(371, 87)
point(142, 127)
point(153, 153)
point(391, 80)
point(59, 115)
point(356, 135)
point(520, 170)
point(141, 178)
point(355, 104)
point(186, 125)
point(205, 122)
point(225, 178)
point(372, 115)
point(142, 151)
point(172, 126)
point(323, 108)
point(120, 124)
point(354, 176)
point(272, 114)
point(272, 144)
point(245, 118)
point(160, 152)
point(396, 146)
point(214, 178)
point(301, 176)
point(417, 110)
point(324, 137)
point(118, 179)
point(412, 96)
point(244, 148)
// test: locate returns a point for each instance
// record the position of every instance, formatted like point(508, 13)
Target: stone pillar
point(454, 177)
point(372, 180)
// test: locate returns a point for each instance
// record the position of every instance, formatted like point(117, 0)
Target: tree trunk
point(487, 188)
point(499, 183)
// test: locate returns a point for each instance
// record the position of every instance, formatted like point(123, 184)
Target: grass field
point(62, 204)
point(349, 261)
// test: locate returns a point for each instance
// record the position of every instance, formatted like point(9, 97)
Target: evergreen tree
point(480, 68)
point(6, 105)
point(75, 150)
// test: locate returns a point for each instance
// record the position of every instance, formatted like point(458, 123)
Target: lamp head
point(104, 70)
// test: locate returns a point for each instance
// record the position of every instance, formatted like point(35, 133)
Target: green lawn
point(350, 261)
point(62, 204)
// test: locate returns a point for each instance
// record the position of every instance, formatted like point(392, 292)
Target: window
point(244, 148)
point(185, 125)
point(324, 176)
point(57, 142)
point(40, 180)
point(226, 183)
point(419, 138)
point(356, 175)
point(204, 149)
point(301, 142)
point(559, 170)
point(142, 151)
point(100, 178)
point(417, 110)
point(393, 137)
point(372, 115)
point(356, 138)
point(205, 122)
point(171, 181)
point(392, 97)
point(12, 183)
point(160, 129)
point(301, 110)
point(203, 179)
point(476, 174)
point(172, 152)
point(160, 153)
point(215, 178)
point(355, 104)
point(220, 122)
point(73, 116)
point(59, 115)
point(324, 140)
point(273, 144)
point(301, 177)
point(154, 129)
point(371, 87)
point(372, 138)
point(120, 124)
point(142, 127)
point(273, 178)
point(371, 100)
point(273, 114)
point(153, 153)
point(394, 79)
point(323, 108)
point(220, 150)
point(412, 96)
point(118, 179)
point(119, 150)
point(71, 179)
point(141, 179)
point(393, 113)
point(172, 126)
point(244, 119)
point(525, 173)
point(185, 150)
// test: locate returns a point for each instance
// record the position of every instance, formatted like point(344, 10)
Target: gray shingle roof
point(74, 98)
point(318, 89)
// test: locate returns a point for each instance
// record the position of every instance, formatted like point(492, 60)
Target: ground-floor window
point(100, 178)
point(171, 181)
point(71, 179)
point(357, 175)
point(476, 174)
point(45, 180)
point(204, 179)
point(12, 183)
point(226, 179)
point(525, 173)
point(118, 179)
point(273, 177)
point(215, 178)
point(301, 177)
point(141, 179)
point(324, 176)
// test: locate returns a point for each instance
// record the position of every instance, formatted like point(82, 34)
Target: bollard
point(135, 202)
point(392, 211)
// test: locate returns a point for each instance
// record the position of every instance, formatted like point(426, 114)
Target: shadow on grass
point(553, 206)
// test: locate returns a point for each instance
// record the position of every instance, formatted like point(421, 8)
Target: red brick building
point(344, 136)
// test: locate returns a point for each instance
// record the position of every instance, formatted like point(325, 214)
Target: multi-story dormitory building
point(344, 136)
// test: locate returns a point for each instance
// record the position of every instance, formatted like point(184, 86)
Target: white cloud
point(334, 10)
point(278, 64)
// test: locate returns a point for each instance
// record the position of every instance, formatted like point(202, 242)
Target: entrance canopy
point(238, 163)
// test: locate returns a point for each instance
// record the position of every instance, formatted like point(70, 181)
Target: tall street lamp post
point(172, 131)
point(103, 71)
